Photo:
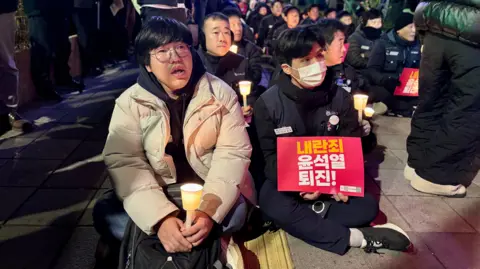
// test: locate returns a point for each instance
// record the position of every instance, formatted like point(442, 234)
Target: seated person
point(145, 150)
point(362, 40)
point(313, 13)
point(345, 77)
point(331, 13)
point(246, 48)
point(215, 41)
point(291, 15)
point(347, 19)
point(300, 100)
point(261, 11)
point(396, 50)
point(269, 21)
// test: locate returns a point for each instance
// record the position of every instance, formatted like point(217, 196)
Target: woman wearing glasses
point(176, 124)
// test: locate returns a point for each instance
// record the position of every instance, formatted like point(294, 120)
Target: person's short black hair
point(370, 15)
point(296, 43)
point(327, 29)
point(329, 10)
point(232, 12)
point(288, 9)
point(159, 31)
point(312, 7)
point(277, 1)
point(216, 16)
point(343, 13)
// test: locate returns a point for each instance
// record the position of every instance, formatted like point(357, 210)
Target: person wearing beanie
point(446, 125)
point(331, 13)
point(362, 40)
point(291, 15)
point(394, 51)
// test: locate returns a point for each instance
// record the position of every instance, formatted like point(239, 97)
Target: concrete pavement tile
point(52, 149)
point(11, 199)
point(44, 115)
point(99, 133)
point(10, 148)
point(87, 218)
point(392, 141)
point(79, 253)
point(31, 247)
point(419, 258)
point(69, 131)
point(55, 207)
point(455, 251)
point(83, 174)
point(24, 173)
point(90, 115)
point(468, 208)
point(88, 150)
point(429, 214)
point(392, 182)
point(392, 125)
point(107, 184)
point(305, 256)
point(389, 214)
point(382, 159)
point(401, 154)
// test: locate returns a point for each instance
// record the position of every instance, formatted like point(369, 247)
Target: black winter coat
point(233, 68)
point(454, 19)
point(265, 25)
point(390, 55)
point(8, 6)
point(47, 7)
point(306, 112)
point(360, 47)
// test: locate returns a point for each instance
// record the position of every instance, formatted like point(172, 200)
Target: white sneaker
point(425, 186)
point(409, 172)
point(379, 108)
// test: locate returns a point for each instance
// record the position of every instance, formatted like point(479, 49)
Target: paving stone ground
point(50, 179)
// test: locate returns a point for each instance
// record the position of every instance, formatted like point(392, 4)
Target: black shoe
point(50, 95)
point(386, 236)
point(4, 124)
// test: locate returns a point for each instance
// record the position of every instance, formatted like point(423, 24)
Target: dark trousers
point(178, 14)
point(395, 103)
point(294, 215)
point(113, 37)
point(85, 20)
point(49, 44)
point(446, 125)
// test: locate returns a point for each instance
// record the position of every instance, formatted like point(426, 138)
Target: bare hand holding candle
point(191, 197)
point(245, 88)
point(360, 103)
point(234, 48)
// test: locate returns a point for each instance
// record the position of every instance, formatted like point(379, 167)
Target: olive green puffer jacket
point(458, 19)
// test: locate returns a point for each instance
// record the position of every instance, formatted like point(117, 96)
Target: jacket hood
point(150, 83)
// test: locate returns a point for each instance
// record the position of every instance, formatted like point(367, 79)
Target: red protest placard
point(326, 164)
point(409, 83)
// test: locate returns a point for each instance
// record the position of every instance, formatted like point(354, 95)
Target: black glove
point(391, 83)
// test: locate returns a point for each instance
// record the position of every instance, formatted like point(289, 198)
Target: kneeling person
point(300, 100)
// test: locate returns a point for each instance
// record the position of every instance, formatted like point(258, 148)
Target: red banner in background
point(409, 83)
point(326, 164)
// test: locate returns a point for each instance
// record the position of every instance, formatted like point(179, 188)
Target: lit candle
point(360, 102)
point(234, 48)
point(245, 87)
point(191, 197)
point(369, 112)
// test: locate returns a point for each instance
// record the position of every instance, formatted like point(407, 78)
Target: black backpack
point(142, 251)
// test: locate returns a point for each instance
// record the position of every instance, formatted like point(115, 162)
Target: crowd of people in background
point(192, 56)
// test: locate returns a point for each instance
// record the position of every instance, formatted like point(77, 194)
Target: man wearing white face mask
point(303, 103)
